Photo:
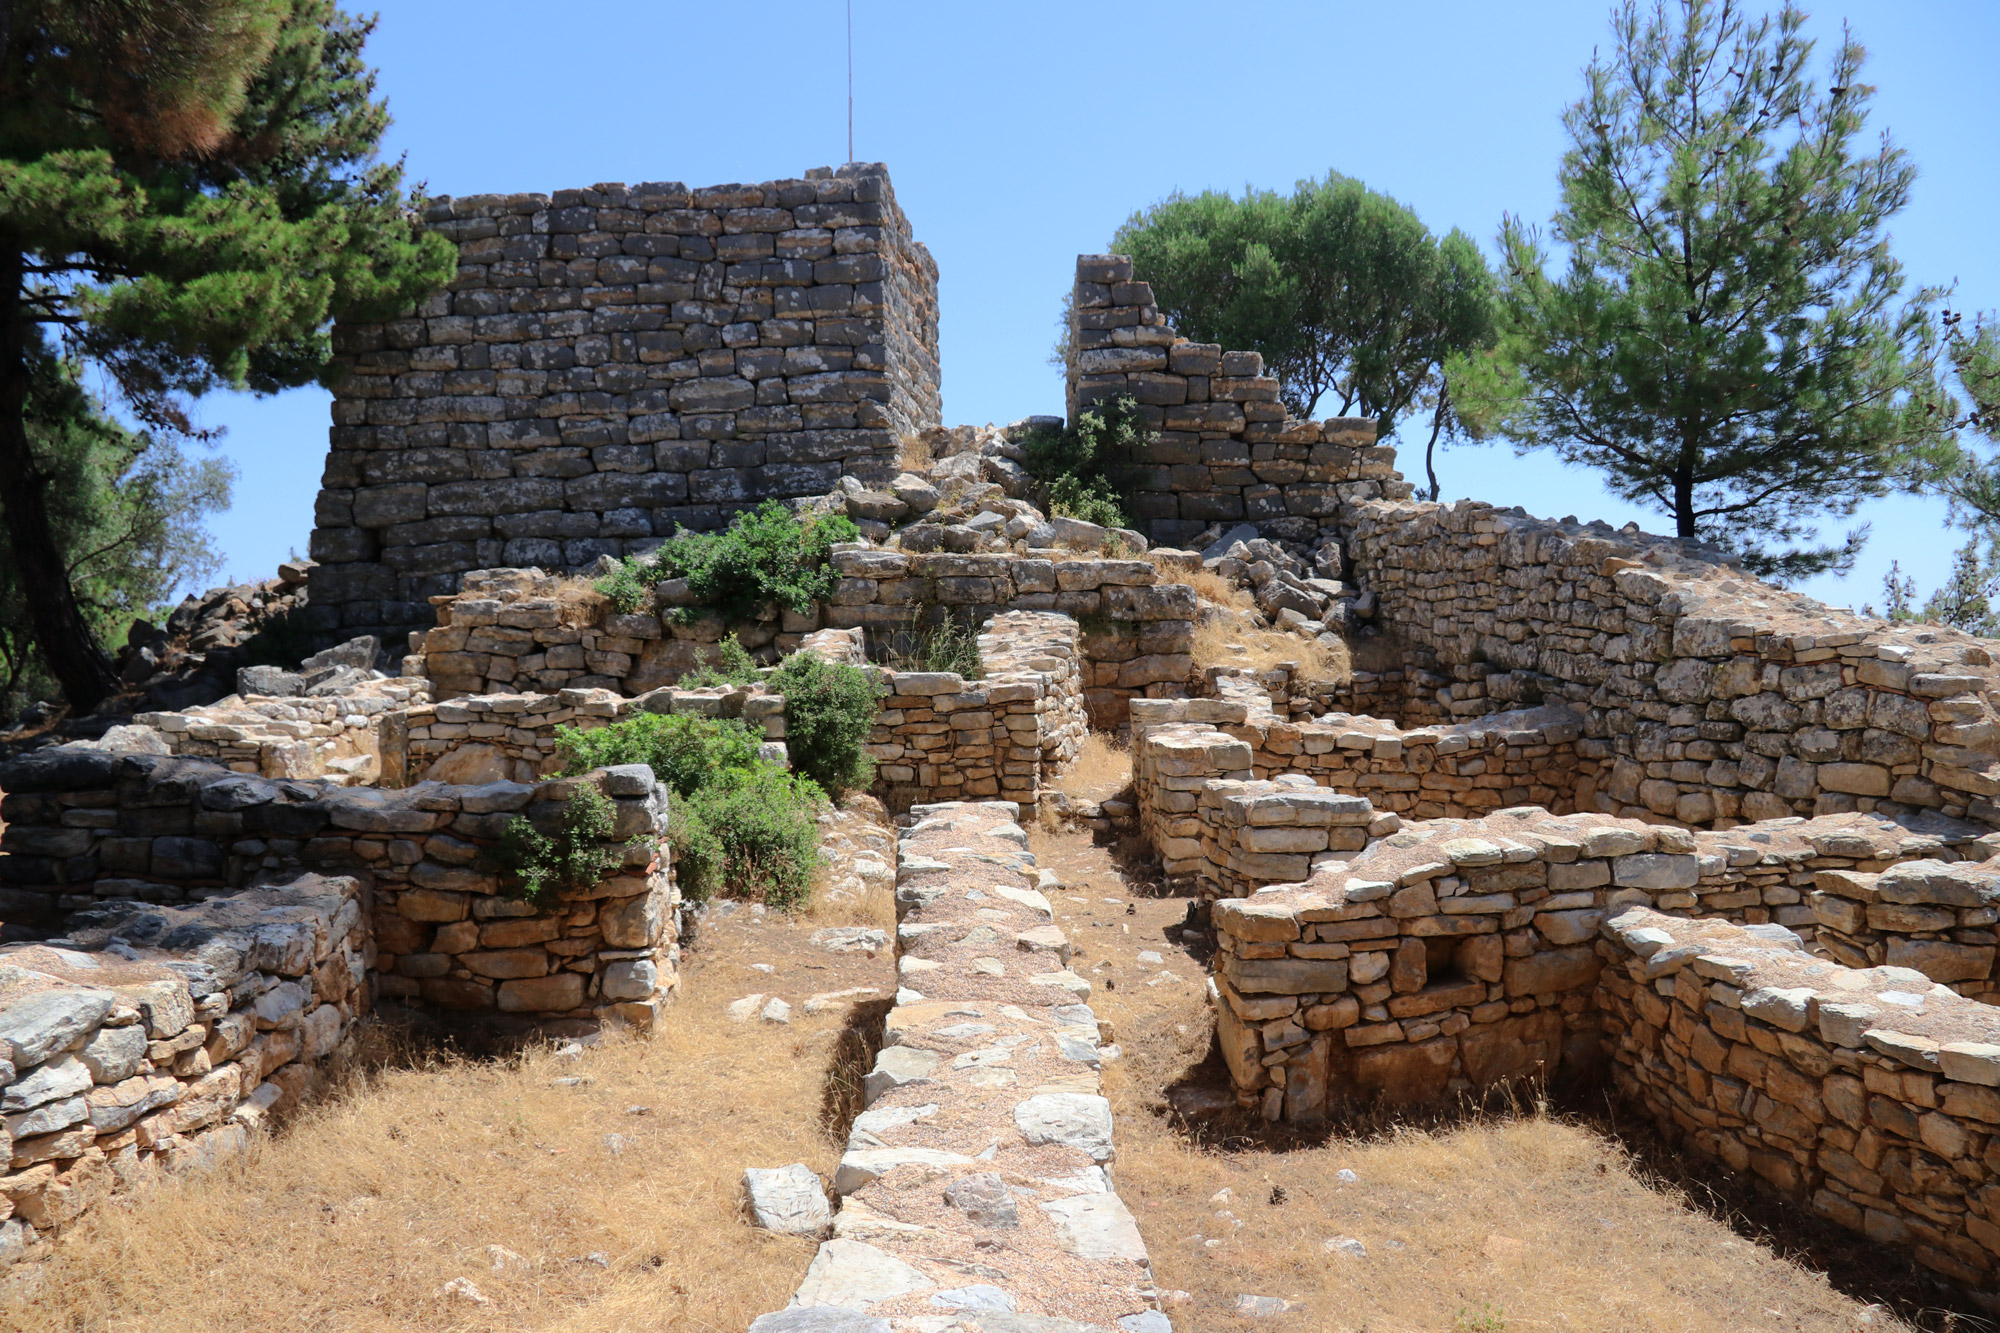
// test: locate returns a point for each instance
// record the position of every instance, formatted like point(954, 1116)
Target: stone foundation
point(154, 1038)
point(985, 1118)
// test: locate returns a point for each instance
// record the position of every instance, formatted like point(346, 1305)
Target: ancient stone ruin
point(1599, 806)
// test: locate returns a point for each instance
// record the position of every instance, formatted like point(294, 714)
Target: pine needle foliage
point(189, 195)
point(1723, 332)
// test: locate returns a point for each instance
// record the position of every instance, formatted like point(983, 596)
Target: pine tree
point(126, 509)
point(1343, 289)
point(189, 192)
point(1728, 340)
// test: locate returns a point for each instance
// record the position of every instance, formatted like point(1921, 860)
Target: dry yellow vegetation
point(1524, 1222)
point(596, 1191)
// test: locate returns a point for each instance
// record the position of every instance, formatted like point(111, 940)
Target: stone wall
point(1935, 916)
point(335, 736)
point(154, 1038)
point(513, 630)
point(1454, 771)
point(512, 737)
point(1021, 723)
point(85, 827)
point(1454, 954)
point(1706, 697)
point(610, 362)
point(1227, 449)
point(1870, 1095)
point(985, 1124)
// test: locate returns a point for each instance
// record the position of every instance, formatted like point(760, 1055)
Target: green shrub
point(750, 833)
point(766, 555)
point(735, 668)
point(949, 645)
point(684, 752)
point(829, 711)
point(1091, 501)
point(574, 858)
point(626, 586)
point(1082, 467)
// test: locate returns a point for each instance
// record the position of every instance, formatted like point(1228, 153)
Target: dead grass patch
point(1523, 1222)
point(1102, 768)
point(579, 602)
point(596, 1192)
point(914, 454)
point(1225, 642)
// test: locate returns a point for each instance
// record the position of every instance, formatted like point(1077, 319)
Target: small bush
point(829, 711)
point(574, 858)
point(683, 752)
point(1091, 501)
point(627, 586)
point(1081, 467)
point(735, 668)
point(750, 833)
point(766, 555)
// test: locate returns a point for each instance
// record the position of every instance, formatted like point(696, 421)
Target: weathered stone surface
point(788, 1200)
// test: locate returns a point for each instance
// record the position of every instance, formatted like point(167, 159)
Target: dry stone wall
point(335, 736)
point(513, 630)
point(1871, 1096)
point(1454, 954)
point(154, 1038)
point(986, 1126)
point(1022, 722)
point(1706, 697)
point(1227, 449)
point(610, 362)
point(87, 827)
point(1453, 771)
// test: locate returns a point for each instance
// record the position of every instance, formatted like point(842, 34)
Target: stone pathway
point(976, 1187)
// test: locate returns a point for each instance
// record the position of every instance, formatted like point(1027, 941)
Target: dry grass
point(1526, 1222)
point(1225, 642)
point(614, 1175)
point(1102, 769)
point(913, 454)
point(581, 604)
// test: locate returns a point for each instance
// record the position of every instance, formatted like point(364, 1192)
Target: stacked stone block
point(85, 827)
point(1456, 771)
point(986, 1132)
point(1256, 833)
point(1004, 734)
point(335, 736)
point(1707, 698)
point(1936, 917)
point(512, 737)
point(610, 362)
point(1447, 926)
point(1227, 448)
point(1871, 1096)
point(154, 1038)
point(516, 630)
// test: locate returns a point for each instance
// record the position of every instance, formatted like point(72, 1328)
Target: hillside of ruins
point(1414, 810)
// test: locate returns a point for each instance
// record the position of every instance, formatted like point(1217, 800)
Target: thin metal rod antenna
point(850, 80)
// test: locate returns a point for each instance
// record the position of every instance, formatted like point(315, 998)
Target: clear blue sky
point(1021, 134)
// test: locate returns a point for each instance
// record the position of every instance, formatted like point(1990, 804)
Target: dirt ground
point(595, 1189)
point(1516, 1221)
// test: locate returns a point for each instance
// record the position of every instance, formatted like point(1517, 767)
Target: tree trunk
point(1430, 449)
point(1684, 522)
point(73, 657)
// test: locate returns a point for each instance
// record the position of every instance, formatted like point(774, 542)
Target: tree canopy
point(1726, 335)
point(1344, 290)
point(189, 193)
point(126, 510)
